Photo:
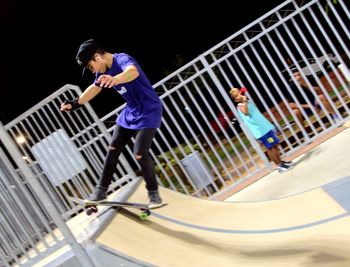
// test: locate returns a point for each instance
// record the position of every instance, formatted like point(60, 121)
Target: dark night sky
point(40, 40)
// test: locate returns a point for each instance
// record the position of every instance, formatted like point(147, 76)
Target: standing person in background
point(140, 118)
point(260, 127)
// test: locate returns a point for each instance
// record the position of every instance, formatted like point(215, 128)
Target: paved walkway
point(327, 162)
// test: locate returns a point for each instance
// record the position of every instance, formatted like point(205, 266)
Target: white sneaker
point(288, 163)
point(283, 168)
point(337, 120)
point(154, 199)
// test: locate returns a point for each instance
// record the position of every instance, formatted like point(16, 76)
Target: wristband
point(74, 103)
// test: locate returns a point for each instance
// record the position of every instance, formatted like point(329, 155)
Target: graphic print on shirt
point(122, 90)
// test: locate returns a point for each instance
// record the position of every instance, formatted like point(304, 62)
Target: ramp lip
point(262, 231)
point(326, 185)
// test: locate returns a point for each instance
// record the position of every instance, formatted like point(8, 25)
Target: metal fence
point(31, 226)
point(202, 148)
point(259, 57)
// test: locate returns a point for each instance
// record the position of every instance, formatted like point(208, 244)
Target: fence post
point(80, 253)
point(233, 108)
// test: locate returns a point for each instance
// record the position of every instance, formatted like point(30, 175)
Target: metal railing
point(202, 148)
point(31, 226)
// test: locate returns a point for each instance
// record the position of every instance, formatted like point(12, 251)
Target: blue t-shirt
point(143, 107)
point(256, 121)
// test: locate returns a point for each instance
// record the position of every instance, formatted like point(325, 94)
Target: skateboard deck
point(91, 206)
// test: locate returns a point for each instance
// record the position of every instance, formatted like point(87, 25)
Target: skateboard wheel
point(94, 209)
point(144, 214)
point(91, 210)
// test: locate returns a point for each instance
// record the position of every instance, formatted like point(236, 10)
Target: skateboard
point(91, 206)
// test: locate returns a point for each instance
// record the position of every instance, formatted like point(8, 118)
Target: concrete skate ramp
point(308, 229)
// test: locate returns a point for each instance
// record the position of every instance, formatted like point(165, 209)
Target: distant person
point(260, 127)
point(310, 96)
point(140, 118)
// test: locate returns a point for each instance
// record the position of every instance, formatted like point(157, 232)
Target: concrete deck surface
point(297, 218)
point(327, 162)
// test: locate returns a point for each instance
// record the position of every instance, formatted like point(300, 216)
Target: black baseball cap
point(294, 70)
point(86, 50)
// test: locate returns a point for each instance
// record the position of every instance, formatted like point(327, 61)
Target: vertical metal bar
point(80, 253)
point(322, 87)
point(220, 126)
point(233, 108)
point(334, 31)
point(275, 47)
point(30, 201)
point(284, 100)
point(214, 98)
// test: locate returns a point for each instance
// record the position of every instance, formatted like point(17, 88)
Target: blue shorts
point(269, 140)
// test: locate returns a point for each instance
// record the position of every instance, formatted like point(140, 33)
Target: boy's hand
point(70, 105)
point(106, 81)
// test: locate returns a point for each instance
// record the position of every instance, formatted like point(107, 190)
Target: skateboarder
point(140, 118)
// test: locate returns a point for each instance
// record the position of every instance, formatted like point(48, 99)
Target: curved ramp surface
point(309, 229)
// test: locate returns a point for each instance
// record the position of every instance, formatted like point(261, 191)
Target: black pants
point(120, 139)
